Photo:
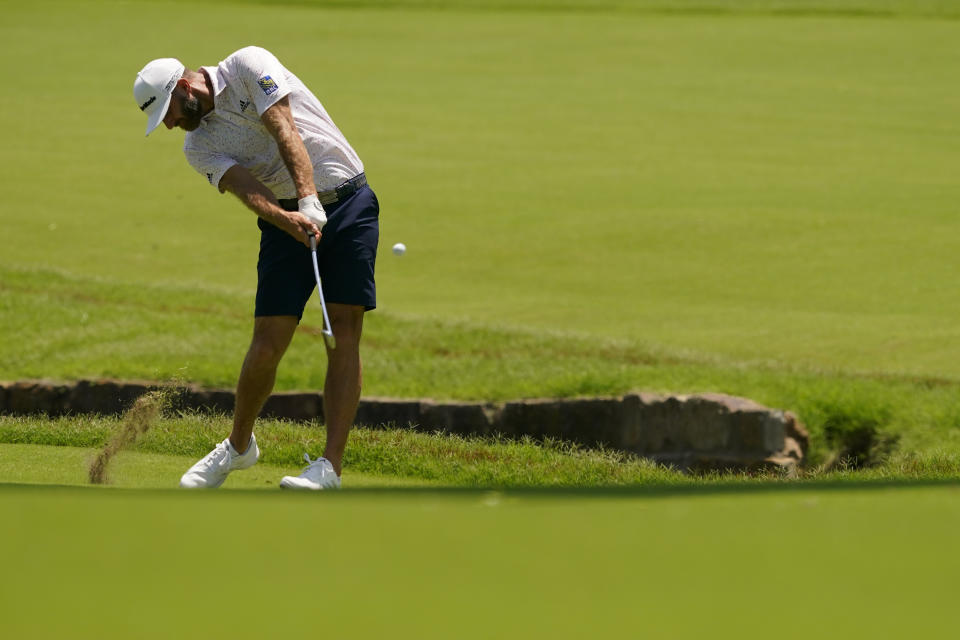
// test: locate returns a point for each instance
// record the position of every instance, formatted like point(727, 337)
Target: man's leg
point(341, 391)
point(271, 337)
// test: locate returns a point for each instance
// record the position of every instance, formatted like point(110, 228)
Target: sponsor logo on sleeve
point(210, 178)
point(268, 85)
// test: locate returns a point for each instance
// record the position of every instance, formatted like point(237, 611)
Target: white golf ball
point(399, 249)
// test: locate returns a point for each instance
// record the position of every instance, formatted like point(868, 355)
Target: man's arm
point(241, 183)
point(278, 120)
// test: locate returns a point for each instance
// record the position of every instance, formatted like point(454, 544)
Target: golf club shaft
point(328, 331)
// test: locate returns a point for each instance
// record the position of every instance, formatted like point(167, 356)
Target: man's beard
point(191, 113)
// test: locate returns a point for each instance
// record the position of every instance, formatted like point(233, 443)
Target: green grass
point(427, 564)
point(69, 327)
point(385, 456)
point(750, 187)
point(852, 8)
point(394, 553)
point(33, 464)
point(400, 454)
point(754, 196)
point(751, 197)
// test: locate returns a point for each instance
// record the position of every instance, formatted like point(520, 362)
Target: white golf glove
point(313, 210)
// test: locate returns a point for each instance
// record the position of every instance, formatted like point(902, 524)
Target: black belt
point(343, 191)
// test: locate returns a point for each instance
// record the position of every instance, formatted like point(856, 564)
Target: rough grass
point(450, 460)
point(772, 216)
point(399, 453)
point(36, 465)
point(70, 328)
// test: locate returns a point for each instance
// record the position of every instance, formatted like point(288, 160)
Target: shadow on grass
point(626, 492)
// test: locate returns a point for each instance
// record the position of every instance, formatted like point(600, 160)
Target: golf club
point(327, 331)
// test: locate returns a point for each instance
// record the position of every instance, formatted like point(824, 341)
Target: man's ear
point(184, 85)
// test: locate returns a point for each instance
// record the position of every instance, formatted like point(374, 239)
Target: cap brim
point(155, 118)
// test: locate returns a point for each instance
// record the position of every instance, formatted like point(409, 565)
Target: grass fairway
point(760, 185)
point(755, 196)
point(751, 197)
point(407, 563)
point(29, 464)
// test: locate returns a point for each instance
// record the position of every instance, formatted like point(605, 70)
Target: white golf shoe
point(213, 468)
point(319, 474)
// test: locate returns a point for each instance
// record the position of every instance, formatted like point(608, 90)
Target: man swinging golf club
point(255, 130)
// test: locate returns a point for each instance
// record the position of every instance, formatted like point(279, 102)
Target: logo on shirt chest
point(243, 106)
point(268, 85)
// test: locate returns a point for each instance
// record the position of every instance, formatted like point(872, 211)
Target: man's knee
point(263, 353)
point(271, 336)
point(346, 322)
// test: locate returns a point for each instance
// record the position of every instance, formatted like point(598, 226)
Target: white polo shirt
point(245, 85)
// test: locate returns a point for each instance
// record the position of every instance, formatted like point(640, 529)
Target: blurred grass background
point(835, 563)
point(754, 186)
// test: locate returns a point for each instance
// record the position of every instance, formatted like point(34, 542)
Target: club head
point(329, 339)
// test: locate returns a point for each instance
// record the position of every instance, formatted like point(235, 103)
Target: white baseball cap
point(154, 86)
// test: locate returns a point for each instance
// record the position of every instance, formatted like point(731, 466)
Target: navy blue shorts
point(346, 255)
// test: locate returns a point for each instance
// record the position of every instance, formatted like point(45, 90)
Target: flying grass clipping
point(136, 421)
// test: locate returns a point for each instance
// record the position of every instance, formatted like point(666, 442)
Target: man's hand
point(313, 210)
point(301, 227)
